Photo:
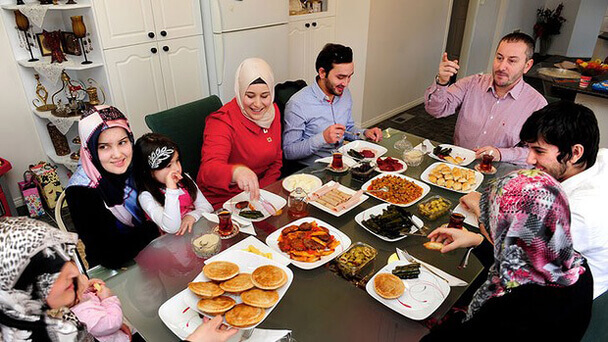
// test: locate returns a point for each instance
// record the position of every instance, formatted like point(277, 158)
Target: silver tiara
point(158, 156)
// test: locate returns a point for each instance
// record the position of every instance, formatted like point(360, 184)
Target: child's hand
point(172, 179)
point(125, 328)
point(186, 225)
point(104, 292)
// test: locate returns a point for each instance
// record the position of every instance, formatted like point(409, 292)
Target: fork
point(411, 259)
point(267, 203)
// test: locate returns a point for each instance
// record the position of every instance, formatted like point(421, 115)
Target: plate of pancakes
point(242, 287)
point(413, 298)
point(273, 242)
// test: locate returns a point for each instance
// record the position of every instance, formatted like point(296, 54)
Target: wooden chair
point(185, 125)
point(81, 262)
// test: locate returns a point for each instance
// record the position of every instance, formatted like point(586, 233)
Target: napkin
point(348, 161)
point(267, 335)
point(452, 281)
point(427, 143)
point(244, 225)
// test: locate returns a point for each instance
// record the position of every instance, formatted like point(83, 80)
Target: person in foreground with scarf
point(537, 285)
point(101, 194)
point(39, 284)
point(242, 141)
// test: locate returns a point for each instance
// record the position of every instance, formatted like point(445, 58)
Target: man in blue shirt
point(318, 117)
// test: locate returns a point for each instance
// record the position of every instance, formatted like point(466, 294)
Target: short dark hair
point(521, 37)
point(565, 124)
point(333, 54)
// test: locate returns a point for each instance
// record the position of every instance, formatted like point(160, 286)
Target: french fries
point(254, 250)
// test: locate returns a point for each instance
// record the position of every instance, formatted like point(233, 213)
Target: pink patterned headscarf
point(527, 215)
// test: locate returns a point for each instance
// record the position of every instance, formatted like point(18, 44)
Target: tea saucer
point(235, 230)
point(344, 168)
point(493, 171)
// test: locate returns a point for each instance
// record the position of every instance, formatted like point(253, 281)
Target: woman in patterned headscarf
point(37, 283)
point(101, 194)
point(537, 285)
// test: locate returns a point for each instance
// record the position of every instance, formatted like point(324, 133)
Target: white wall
point(405, 43)
point(586, 28)
point(352, 24)
point(19, 141)
point(483, 36)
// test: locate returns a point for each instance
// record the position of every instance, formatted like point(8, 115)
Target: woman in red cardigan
point(242, 141)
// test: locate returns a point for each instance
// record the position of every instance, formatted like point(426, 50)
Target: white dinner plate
point(253, 241)
point(276, 200)
point(359, 145)
point(421, 298)
point(469, 217)
point(345, 190)
point(273, 242)
point(377, 210)
point(308, 183)
point(425, 188)
point(478, 178)
point(247, 263)
point(403, 164)
point(457, 151)
point(178, 317)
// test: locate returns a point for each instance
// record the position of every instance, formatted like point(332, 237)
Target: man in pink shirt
point(493, 107)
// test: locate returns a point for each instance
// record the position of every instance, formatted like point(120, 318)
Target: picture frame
point(70, 44)
point(43, 50)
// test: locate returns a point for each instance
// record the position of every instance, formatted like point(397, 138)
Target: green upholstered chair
point(185, 125)
point(598, 329)
point(282, 93)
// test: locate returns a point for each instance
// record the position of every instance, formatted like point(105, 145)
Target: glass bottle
point(297, 203)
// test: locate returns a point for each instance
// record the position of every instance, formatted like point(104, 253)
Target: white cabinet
point(147, 78)
point(124, 23)
point(306, 39)
point(154, 53)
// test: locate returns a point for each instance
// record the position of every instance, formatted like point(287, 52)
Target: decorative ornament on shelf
point(71, 2)
point(23, 24)
point(75, 94)
point(52, 42)
point(92, 92)
point(80, 31)
point(548, 24)
point(42, 95)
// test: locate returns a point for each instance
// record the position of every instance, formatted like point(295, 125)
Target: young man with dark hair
point(318, 117)
point(492, 107)
point(563, 139)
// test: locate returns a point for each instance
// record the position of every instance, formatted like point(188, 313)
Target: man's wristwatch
point(441, 84)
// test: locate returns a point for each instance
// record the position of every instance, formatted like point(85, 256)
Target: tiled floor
point(418, 122)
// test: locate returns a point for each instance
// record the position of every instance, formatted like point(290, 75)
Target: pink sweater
point(102, 317)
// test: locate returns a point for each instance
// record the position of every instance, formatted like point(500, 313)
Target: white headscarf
point(250, 70)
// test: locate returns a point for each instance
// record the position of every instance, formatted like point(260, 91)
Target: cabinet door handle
point(165, 48)
point(151, 34)
point(163, 33)
point(307, 25)
point(314, 24)
point(154, 50)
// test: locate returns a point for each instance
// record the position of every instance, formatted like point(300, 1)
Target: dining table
point(320, 305)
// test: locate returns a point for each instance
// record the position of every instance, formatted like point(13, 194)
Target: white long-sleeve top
point(587, 194)
point(168, 216)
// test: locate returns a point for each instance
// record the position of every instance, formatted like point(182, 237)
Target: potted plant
point(548, 24)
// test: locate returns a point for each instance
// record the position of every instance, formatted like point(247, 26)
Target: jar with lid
point(403, 144)
point(297, 203)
